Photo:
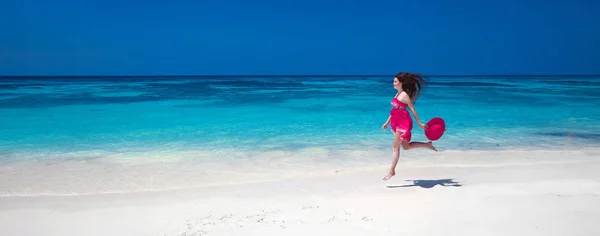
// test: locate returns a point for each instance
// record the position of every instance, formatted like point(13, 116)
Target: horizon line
point(288, 75)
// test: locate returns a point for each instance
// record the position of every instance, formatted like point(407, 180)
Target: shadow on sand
point(429, 183)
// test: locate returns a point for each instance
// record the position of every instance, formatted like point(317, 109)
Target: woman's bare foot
point(390, 175)
point(430, 146)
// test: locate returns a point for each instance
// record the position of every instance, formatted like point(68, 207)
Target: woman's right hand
point(384, 126)
point(425, 127)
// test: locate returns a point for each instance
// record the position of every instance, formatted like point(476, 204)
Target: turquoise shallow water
point(83, 118)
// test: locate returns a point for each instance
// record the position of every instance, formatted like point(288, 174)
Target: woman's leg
point(411, 145)
point(396, 155)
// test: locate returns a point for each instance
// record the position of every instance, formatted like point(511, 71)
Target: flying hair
point(411, 84)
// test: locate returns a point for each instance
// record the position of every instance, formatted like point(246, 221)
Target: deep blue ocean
point(45, 118)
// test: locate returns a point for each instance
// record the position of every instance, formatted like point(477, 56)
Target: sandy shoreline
point(500, 193)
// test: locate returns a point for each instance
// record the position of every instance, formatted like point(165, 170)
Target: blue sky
point(69, 37)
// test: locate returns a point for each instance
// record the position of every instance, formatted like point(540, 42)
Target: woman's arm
point(387, 122)
point(406, 99)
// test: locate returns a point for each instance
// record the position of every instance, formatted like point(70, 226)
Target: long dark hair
point(411, 84)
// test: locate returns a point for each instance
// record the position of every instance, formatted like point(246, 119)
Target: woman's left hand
point(425, 127)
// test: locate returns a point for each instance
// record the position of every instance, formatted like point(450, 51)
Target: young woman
point(409, 87)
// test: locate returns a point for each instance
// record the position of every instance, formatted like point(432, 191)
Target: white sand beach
point(446, 193)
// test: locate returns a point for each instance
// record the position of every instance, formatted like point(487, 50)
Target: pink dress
point(400, 119)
